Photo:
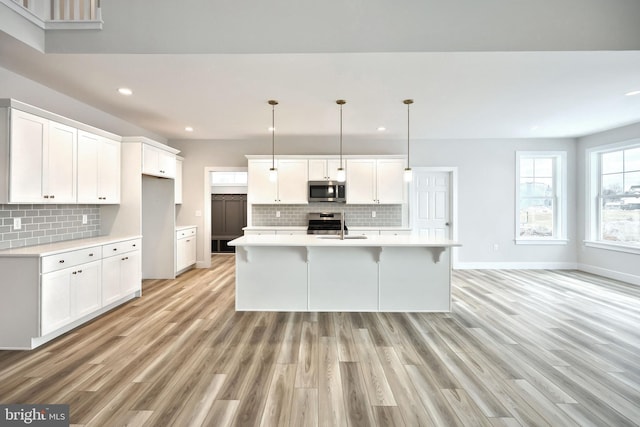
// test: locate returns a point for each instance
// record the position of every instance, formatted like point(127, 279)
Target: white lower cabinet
point(56, 301)
point(185, 248)
point(86, 289)
point(121, 270)
point(46, 295)
point(69, 294)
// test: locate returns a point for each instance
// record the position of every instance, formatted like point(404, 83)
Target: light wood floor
point(520, 348)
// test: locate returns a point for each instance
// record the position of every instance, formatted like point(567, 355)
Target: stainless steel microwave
point(327, 191)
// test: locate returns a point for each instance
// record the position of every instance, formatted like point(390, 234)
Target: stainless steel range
point(325, 223)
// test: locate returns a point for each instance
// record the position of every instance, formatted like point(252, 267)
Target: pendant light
point(408, 173)
point(273, 172)
point(341, 176)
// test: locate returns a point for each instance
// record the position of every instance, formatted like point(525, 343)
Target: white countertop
point(185, 227)
point(320, 241)
point(67, 245)
point(304, 227)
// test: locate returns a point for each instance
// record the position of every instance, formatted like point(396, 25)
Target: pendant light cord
point(273, 133)
point(273, 104)
point(408, 127)
point(340, 135)
point(408, 103)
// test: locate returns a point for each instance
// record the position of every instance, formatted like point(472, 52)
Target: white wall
point(620, 265)
point(486, 198)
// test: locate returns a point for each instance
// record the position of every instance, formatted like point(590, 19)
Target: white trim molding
point(515, 265)
point(611, 274)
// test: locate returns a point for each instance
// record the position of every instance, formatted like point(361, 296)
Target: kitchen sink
point(357, 236)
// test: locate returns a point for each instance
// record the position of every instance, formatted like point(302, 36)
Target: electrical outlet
point(373, 214)
point(277, 214)
point(17, 223)
point(84, 220)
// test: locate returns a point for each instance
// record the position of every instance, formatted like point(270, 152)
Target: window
point(229, 178)
point(541, 197)
point(615, 195)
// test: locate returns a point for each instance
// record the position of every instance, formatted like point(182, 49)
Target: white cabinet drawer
point(121, 247)
point(69, 259)
point(187, 232)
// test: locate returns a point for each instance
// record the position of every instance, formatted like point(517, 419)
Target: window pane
point(536, 217)
point(544, 168)
point(526, 167)
point(632, 182)
point(612, 185)
point(621, 225)
point(632, 160)
point(537, 188)
point(612, 162)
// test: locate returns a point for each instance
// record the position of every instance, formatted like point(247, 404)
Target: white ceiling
point(457, 94)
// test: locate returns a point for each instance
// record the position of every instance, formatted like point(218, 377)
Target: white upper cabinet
point(98, 169)
point(43, 156)
point(376, 181)
point(324, 169)
point(390, 184)
point(290, 186)
point(293, 181)
point(260, 188)
point(158, 162)
point(361, 181)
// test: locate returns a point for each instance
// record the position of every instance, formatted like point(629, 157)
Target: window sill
point(613, 247)
point(541, 241)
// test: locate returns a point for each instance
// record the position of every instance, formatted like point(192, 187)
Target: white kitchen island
point(324, 273)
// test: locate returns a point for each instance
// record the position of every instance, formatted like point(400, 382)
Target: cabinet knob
point(115, 249)
point(46, 197)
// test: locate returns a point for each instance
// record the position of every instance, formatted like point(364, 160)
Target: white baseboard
point(515, 266)
point(611, 274)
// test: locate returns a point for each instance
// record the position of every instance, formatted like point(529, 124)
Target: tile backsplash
point(356, 215)
point(43, 224)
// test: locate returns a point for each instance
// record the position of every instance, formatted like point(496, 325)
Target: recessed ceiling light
point(188, 129)
point(632, 93)
point(381, 129)
point(125, 91)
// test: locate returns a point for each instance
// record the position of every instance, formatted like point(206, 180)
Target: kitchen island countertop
point(332, 240)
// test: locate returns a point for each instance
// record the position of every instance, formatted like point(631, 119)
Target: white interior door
point(431, 205)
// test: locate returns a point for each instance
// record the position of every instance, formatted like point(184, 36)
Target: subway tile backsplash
point(356, 215)
point(43, 224)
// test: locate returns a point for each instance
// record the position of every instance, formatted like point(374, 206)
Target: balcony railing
point(54, 14)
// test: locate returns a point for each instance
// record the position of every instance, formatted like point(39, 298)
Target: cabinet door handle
point(90, 254)
point(75, 272)
point(61, 261)
point(52, 197)
point(79, 271)
point(46, 197)
point(115, 249)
